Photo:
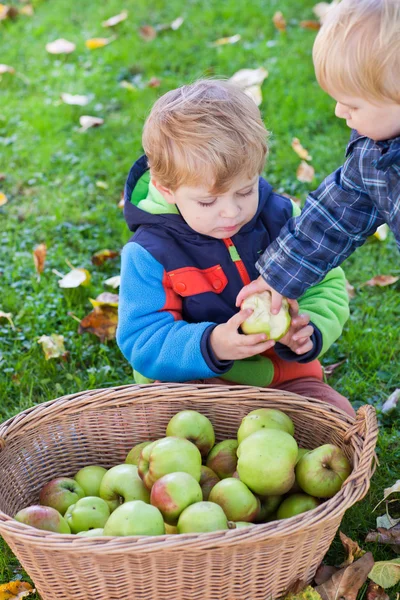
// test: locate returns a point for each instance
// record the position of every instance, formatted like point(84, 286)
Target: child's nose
point(230, 210)
point(341, 112)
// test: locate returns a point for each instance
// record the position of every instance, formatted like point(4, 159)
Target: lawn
point(52, 184)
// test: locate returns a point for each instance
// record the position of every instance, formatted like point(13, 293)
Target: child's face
point(219, 216)
point(378, 121)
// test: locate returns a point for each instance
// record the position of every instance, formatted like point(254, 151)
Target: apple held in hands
point(262, 320)
point(202, 517)
point(134, 455)
point(174, 492)
point(207, 481)
point(235, 499)
point(264, 418)
point(90, 512)
point(223, 458)
point(195, 427)
point(135, 518)
point(266, 461)
point(122, 484)
point(321, 472)
point(60, 493)
point(89, 478)
point(43, 517)
point(295, 505)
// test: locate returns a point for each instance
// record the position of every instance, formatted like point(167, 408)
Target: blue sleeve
point(156, 344)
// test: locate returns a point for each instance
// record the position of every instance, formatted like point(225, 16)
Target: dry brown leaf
point(7, 316)
point(39, 257)
point(53, 346)
point(324, 572)
point(99, 42)
point(328, 370)
point(154, 82)
point(350, 289)
point(105, 299)
point(3, 176)
point(60, 46)
point(375, 592)
point(75, 99)
point(347, 582)
point(3, 199)
point(386, 536)
point(14, 590)
point(87, 122)
point(279, 21)
point(381, 280)
point(300, 151)
point(6, 69)
point(101, 256)
point(314, 25)
point(353, 550)
point(112, 21)
point(227, 40)
point(305, 172)
point(147, 33)
point(8, 12)
point(102, 322)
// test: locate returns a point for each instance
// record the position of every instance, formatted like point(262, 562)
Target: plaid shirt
point(348, 206)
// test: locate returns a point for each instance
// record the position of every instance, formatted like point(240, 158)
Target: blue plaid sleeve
point(336, 219)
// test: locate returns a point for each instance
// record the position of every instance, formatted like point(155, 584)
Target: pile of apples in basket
point(185, 483)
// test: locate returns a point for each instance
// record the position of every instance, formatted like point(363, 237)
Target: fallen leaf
point(381, 280)
point(382, 232)
point(75, 278)
point(60, 46)
point(227, 40)
point(39, 257)
point(113, 282)
point(103, 185)
point(279, 21)
point(300, 151)
point(350, 289)
point(14, 590)
point(323, 573)
point(386, 522)
point(245, 78)
point(105, 299)
point(147, 33)
point(128, 85)
point(353, 550)
point(27, 10)
point(309, 593)
point(95, 43)
point(386, 573)
point(347, 582)
point(329, 369)
point(391, 402)
point(112, 21)
point(154, 82)
point(375, 592)
point(6, 69)
point(53, 346)
point(101, 256)
point(176, 23)
point(305, 172)
point(322, 8)
point(75, 99)
point(3, 199)
point(102, 322)
point(87, 122)
point(3, 176)
point(255, 93)
point(386, 536)
point(315, 25)
point(7, 316)
point(7, 12)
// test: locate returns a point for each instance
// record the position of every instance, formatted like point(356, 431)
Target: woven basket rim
point(355, 487)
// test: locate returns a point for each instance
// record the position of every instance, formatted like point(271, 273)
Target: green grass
point(52, 171)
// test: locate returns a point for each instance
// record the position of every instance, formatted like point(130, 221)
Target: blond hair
point(207, 133)
point(357, 50)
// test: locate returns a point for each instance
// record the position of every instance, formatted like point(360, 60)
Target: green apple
point(235, 499)
point(202, 517)
point(296, 504)
point(122, 484)
point(321, 472)
point(207, 481)
point(89, 478)
point(168, 455)
point(295, 489)
point(134, 455)
point(90, 512)
point(262, 320)
point(268, 505)
point(91, 532)
point(135, 518)
point(223, 459)
point(60, 493)
point(195, 427)
point(266, 461)
point(43, 517)
point(241, 524)
point(172, 493)
point(264, 418)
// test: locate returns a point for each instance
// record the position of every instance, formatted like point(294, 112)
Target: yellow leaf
point(3, 199)
point(100, 257)
point(75, 278)
point(128, 85)
point(14, 590)
point(300, 151)
point(7, 316)
point(279, 21)
point(112, 21)
point(103, 185)
point(105, 299)
point(94, 43)
point(386, 573)
point(60, 46)
point(305, 172)
point(227, 40)
point(39, 257)
point(382, 232)
point(53, 345)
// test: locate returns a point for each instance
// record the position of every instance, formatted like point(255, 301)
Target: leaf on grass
point(7, 12)
point(391, 402)
point(14, 590)
point(305, 172)
point(323, 573)
point(60, 46)
point(176, 23)
point(27, 10)
point(105, 299)
point(227, 40)
point(309, 24)
point(53, 346)
point(382, 232)
point(347, 582)
point(75, 99)
point(353, 550)
point(381, 280)
point(7, 316)
point(101, 256)
point(154, 82)
point(102, 185)
point(112, 21)
point(329, 369)
point(375, 592)
point(386, 522)
point(6, 69)
point(386, 536)
point(3, 199)
point(386, 573)
point(147, 33)
point(279, 21)
point(102, 322)
point(75, 278)
point(99, 42)
point(245, 78)
point(87, 122)
point(3, 176)
point(309, 593)
point(39, 257)
point(113, 282)
point(300, 151)
point(350, 289)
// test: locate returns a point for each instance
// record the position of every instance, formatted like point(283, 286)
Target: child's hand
point(300, 332)
point(257, 286)
point(228, 344)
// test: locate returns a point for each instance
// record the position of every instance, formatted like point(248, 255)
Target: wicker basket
point(100, 427)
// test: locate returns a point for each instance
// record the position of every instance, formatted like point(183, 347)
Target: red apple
point(235, 499)
point(60, 493)
point(207, 481)
point(223, 459)
point(43, 517)
point(172, 493)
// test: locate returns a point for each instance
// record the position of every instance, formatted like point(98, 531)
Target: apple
point(264, 418)
point(43, 517)
point(60, 493)
point(235, 499)
point(89, 478)
point(207, 481)
point(295, 487)
point(134, 455)
point(296, 504)
point(135, 518)
point(268, 505)
point(241, 524)
point(173, 492)
point(122, 484)
point(195, 427)
point(90, 512)
point(91, 532)
point(261, 320)
point(168, 455)
point(223, 459)
point(321, 472)
point(202, 517)
point(266, 462)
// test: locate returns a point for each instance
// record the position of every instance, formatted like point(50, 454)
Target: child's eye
point(207, 203)
point(243, 195)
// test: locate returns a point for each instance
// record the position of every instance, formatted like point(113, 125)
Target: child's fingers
point(300, 320)
point(304, 333)
point(247, 351)
point(239, 318)
point(254, 287)
point(276, 302)
point(303, 349)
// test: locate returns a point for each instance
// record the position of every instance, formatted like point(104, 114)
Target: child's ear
point(169, 196)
